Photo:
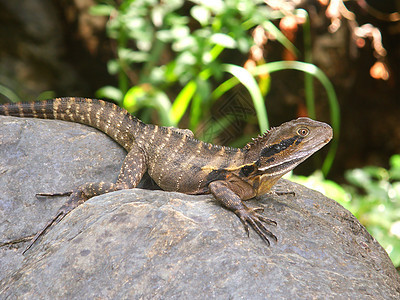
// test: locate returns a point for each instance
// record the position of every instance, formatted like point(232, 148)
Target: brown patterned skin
point(178, 162)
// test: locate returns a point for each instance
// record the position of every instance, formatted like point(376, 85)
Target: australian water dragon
point(177, 161)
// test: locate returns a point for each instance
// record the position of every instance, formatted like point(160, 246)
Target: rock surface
point(142, 244)
point(45, 156)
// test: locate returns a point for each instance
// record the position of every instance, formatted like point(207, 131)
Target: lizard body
point(177, 161)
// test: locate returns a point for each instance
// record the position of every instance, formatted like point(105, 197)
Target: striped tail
point(107, 117)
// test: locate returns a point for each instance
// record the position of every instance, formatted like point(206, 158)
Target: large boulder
point(142, 244)
point(45, 156)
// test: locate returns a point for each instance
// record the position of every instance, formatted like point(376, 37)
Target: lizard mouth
point(327, 140)
point(283, 167)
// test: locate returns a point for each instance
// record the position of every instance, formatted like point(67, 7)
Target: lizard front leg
point(132, 171)
point(221, 191)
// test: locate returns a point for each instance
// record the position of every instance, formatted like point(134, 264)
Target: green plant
point(145, 30)
point(310, 70)
point(159, 50)
point(375, 201)
point(9, 94)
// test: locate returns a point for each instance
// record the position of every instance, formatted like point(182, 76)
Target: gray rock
point(141, 244)
point(45, 156)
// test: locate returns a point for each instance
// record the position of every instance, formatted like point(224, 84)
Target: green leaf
point(9, 94)
point(223, 40)
point(165, 35)
point(182, 101)
point(179, 32)
point(395, 161)
point(251, 84)
point(101, 10)
point(132, 96)
point(145, 95)
point(113, 66)
point(131, 56)
point(46, 95)
point(163, 106)
point(185, 43)
point(110, 92)
point(201, 14)
point(272, 29)
point(357, 177)
point(394, 171)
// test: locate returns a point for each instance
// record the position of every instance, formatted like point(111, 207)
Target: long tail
point(107, 117)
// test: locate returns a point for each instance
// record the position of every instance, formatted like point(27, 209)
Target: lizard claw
point(53, 194)
point(252, 217)
point(60, 215)
point(257, 209)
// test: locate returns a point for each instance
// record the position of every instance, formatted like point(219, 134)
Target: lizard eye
point(303, 131)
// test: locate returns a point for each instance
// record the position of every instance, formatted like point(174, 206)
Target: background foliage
point(179, 52)
point(177, 65)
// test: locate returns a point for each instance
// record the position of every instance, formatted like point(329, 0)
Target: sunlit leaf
point(110, 92)
point(395, 161)
point(201, 14)
point(163, 106)
point(9, 94)
point(251, 84)
point(147, 96)
point(132, 56)
point(272, 29)
point(223, 40)
point(113, 66)
point(188, 42)
point(182, 101)
point(165, 35)
point(101, 10)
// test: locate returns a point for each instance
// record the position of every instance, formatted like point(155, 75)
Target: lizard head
point(281, 149)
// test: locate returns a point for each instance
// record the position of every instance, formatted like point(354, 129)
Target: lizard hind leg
point(78, 196)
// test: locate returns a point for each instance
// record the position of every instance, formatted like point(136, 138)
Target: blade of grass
point(310, 69)
point(224, 87)
point(163, 106)
point(308, 78)
point(333, 102)
point(8, 93)
point(183, 99)
point(272, 29)
point(147, 96)
point(247, 79)
point(307, 68)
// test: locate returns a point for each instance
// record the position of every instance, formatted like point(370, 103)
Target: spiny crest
point(259, 139)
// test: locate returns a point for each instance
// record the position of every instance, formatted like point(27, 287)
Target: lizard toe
point(64, 210)
point(249, 216)
point(38, 195)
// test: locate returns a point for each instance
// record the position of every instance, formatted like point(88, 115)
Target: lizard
point(178, 162)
